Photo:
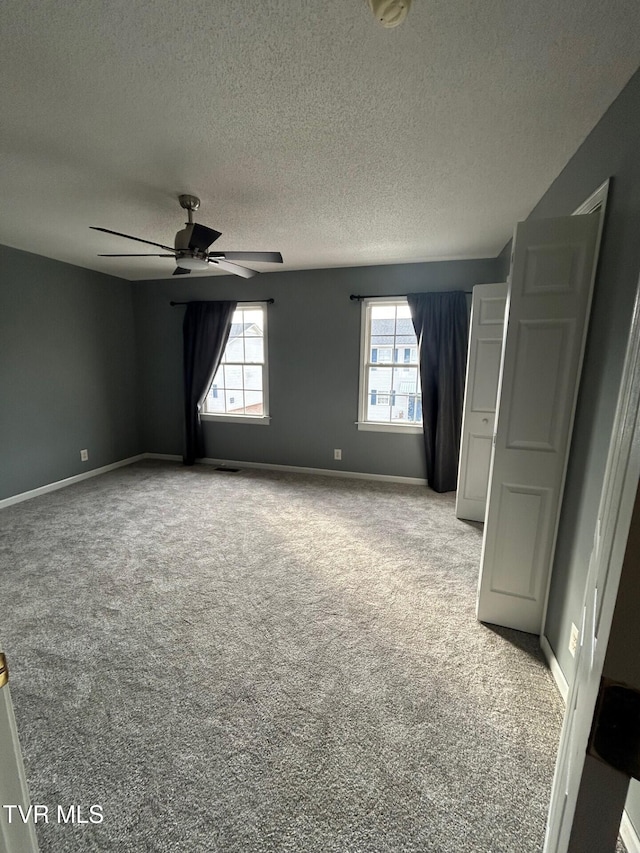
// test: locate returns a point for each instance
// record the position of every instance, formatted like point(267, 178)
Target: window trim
point(362, 423)
point(264, 418)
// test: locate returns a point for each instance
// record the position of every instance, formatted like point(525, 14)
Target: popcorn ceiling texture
point(261, 662)
point(304, 127)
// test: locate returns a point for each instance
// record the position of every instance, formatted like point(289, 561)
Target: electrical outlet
point(573, 640)
point(84, 455)
point(337, 454)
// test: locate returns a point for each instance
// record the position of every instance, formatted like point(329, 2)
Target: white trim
point(372, 426)
point(598, 198)
point(15, 837)
point(265, 420)
point(554, 666)
point(323, 472)
point(619, 489)
point(629, 835)
point(68, 481)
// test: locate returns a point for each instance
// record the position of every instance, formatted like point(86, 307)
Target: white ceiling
point(304, 127)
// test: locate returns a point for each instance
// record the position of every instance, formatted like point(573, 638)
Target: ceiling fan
point(191, 249)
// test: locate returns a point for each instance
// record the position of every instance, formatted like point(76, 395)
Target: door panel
point(551, 283)
point(481, 391)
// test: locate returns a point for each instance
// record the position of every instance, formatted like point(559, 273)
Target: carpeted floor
point(260, 662)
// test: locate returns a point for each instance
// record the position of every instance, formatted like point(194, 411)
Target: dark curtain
point(205, 331)
point(441, 323)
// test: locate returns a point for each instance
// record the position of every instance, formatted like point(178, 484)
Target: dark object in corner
point(228, 470)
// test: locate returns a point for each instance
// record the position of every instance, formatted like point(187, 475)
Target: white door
point(15, 835)
point(588, 795)
point(480, 395)
point(551, 283)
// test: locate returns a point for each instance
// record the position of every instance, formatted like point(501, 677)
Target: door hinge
point(4, 670)
point(615, 733)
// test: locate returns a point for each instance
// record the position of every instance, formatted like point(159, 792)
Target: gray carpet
point(267, 662)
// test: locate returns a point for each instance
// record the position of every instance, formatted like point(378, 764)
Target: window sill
point(265, 420)
point(370, 426)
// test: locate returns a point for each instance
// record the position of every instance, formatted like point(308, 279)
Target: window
point(239, 388)
point(390, 398)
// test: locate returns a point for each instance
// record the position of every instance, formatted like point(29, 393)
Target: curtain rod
point(357, 297)
point(239, 301)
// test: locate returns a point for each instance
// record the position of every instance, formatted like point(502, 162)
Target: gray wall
point(314, 342)
point(67, 371)
point(611, 150)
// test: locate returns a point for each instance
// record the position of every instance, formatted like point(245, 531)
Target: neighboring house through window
point(239, 389)
point(390, 398)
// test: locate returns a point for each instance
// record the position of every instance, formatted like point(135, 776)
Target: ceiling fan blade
point(202, 237)
point(234, 268)
point(181, 271)
point(150, 255)
point(129, 237)
point(267, 257)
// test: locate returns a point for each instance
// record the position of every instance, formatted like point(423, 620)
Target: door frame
point(617, 502)
point(18, 837)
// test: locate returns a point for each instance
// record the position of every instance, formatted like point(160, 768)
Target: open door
point(15, 835)
point(551, 282)
point(480, 395)
point(596, 759)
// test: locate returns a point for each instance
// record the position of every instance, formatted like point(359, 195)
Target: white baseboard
point(324, 472)
point(69, 481)
point(629, 835)
point(554, 666)
point(167, 457)
point(227, 463)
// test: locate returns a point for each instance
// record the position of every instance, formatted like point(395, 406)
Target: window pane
point(405, 380)
point(381, 379)
point(252, 378)
point(234, 350)
point(383, 312)
point(254, 349)
point(253, 403)
point(380, 413)
point(400, 408)
point(379, 396)
point(233, 375)
point(253, 318)
point(235, 402)
point(406, 340)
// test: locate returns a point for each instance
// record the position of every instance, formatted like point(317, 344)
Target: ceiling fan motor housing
point(390, 13)
point(195, 238)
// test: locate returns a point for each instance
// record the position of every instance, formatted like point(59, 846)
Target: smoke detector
point(390, 13)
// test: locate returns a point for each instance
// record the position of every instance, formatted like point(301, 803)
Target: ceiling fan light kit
point(390, 13)
point(191, 247)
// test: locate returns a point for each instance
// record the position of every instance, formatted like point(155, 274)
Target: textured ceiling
point(303, 126)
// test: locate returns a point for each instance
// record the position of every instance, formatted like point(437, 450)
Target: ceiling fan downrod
point(190, 203)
